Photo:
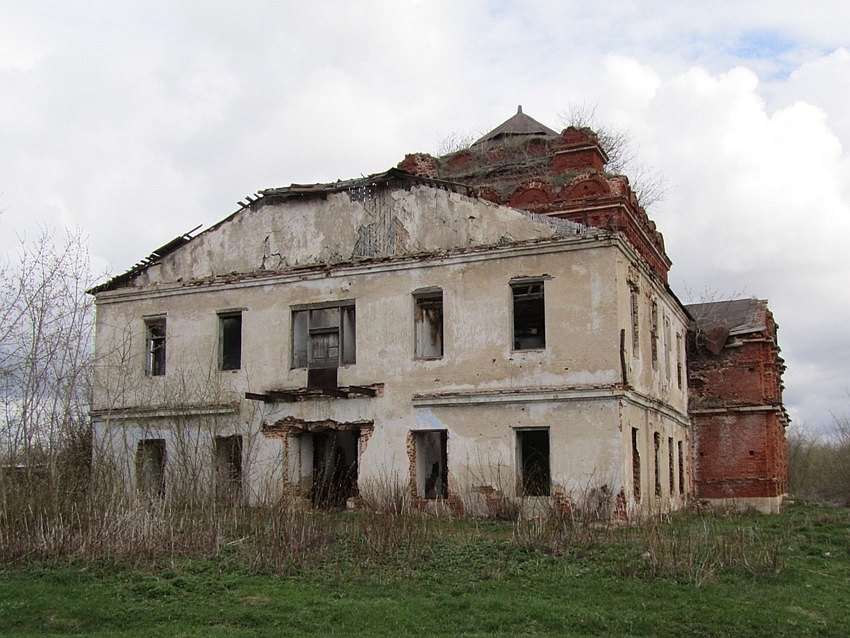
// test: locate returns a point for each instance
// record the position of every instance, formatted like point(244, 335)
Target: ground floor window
point(228, 467)
point(431, 463)
point(670, 465)
point(656, 440)
point(533, 462)
point(150, 466)
point(635, 466)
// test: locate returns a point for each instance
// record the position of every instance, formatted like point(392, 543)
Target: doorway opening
point(533, 455)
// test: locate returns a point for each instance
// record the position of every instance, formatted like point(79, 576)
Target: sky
point(136, 121)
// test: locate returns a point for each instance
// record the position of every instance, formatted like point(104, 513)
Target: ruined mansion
point(490, 326)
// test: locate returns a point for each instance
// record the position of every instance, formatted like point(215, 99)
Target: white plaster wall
point(586, 300)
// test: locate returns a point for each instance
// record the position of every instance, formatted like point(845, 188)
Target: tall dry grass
point(45, 518)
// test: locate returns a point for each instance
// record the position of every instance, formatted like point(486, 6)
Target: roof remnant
point(518, 125)
point(151, 259)
point(721, 319)
point(392, 176)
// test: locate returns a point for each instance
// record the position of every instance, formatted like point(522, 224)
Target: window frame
point(223, 316)
point(347, 345)
point(634, 311)
point(653, 332)
point(522, 481)
point(529, 282)
point(423, 297)
point(151, 453)
point(156, 346)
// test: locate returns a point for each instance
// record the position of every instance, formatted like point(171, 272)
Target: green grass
point(470, 579)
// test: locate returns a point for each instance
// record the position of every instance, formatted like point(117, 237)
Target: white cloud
point(139, 121)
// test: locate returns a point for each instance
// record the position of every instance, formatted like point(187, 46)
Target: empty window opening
point(228, 467)
point(656, 439)
point(533, 454)
point(635, 321)
point(431, 464)
point(150, 467)
point(671, 465)
point(667, 347)
point(155, 347)
point(334, 467)
point(679, 360)
point(681, 468)
point(428, 325)
point(230, 341)
point(635, 466)
point(653, 331)
point(323, 337)
point(529, 315)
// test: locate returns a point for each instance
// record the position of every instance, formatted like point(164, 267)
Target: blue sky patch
point(763, 44)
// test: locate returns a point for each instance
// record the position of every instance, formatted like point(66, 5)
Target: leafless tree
point(647, 182)
point(46, 328)
point(455, 141)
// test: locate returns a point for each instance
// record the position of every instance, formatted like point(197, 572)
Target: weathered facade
point(735, 379)
point(487, 327)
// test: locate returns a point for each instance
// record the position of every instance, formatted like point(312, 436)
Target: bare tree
point(46, 328)
point(646, 181)
point(455, 141)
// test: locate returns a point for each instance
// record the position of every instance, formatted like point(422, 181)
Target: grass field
point(703, 575)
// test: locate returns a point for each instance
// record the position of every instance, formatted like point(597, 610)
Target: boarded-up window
point(533, 456)
point(529, 315)
point(150, 466)
point(428, 324)
point(323, 337)
point(155, 347)
point(230, 340)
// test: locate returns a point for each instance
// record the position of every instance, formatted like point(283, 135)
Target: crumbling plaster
point(480, 391)
point(349, 226)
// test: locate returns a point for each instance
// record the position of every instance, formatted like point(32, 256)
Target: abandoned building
point(484, 327)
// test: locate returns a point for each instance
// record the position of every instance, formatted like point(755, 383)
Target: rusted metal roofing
point(520, 125)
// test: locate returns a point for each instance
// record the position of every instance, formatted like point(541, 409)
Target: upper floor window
point(323, 336)
point(633, 294)
point(679, 362)
point(653, 331)
point(155, 347)
point(428, 323)
point(529, 314)
point(230, 340)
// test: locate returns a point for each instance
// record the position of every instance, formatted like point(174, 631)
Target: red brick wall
point(739, 452)
point(743, 375)
point(740, 455)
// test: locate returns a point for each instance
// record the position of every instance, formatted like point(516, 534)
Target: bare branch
point(646, 181)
